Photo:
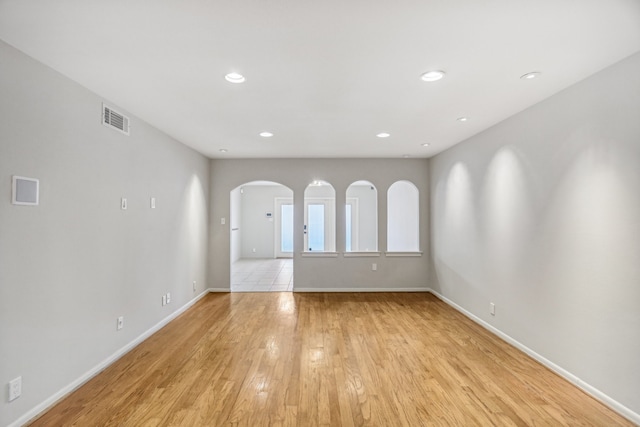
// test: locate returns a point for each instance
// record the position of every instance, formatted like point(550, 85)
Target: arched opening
point(403, 217)
point(261, 246)
point(361, 217)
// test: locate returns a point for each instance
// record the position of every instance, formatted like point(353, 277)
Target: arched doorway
point(261, 237)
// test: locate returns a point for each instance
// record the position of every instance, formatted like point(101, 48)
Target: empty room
point(334, 213)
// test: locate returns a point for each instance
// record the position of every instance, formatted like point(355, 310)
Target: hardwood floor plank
point(283, 359)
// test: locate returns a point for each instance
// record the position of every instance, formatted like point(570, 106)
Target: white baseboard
point(361, 289)
point(65, 391)
point(332, 290)
point(587, 388)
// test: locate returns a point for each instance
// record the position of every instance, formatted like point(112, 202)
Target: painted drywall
point(258, 230)
point(322, 273)
point(70, 266)
point(236, 224)
point(541, 216)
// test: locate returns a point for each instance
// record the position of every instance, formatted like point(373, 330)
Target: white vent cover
point(114, 119)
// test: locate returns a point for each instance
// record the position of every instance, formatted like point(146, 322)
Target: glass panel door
point(286, 228)
point(283, 230)
point(316, 227)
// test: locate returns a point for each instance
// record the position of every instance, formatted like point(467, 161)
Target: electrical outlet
point(123, 204)
point(120, 323)
point(153, 203)
point(253, 250)
point(223, 221)
point(168, 297)
point(492, 309)
point(164, 300)
point(194, 286)
point(374, 267)
point(15, 388)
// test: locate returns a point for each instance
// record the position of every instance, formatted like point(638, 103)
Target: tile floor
point(262, 275)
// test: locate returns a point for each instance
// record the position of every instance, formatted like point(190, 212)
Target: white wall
point(258, 231)
point(321, 273)
point(541, 215)
point(70, 266)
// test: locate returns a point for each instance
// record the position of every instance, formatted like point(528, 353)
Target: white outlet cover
point(153, 203)
point(120, 323)
point(15, 388)
point(123, 204)
point(168, 297)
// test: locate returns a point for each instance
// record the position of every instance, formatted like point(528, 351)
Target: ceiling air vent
point(114, 119)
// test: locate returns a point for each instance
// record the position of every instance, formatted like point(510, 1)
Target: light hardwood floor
point(287, 359)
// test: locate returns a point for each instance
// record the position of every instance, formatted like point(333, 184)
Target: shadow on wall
point(455, 235)
point(589, 237)
point(555, 247)
point(191, 234)
point(506, 217)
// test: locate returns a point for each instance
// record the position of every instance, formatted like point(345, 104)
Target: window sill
point(319, 254)
point(361, 254)
point(403, 254)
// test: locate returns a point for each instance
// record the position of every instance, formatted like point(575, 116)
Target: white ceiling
point(325, 76)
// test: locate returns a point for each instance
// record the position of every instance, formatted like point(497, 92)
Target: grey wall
point(324, 273)
point(258, 231)
point(541, 215)
point(70, 266)
point(236, 225)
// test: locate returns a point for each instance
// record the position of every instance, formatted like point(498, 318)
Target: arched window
point(319, 217)
point(361, 217)
point(403, 217)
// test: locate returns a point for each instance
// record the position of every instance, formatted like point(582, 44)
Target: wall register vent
point(115, 120)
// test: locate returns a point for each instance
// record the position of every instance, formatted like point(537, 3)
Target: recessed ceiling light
point(462, 119)
point(223, 150)
point(383, 135)
point(234, 78)
point(406, 156)
point(266, 134)
point(432, 76)
point(426, 144)
point(531, 76)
